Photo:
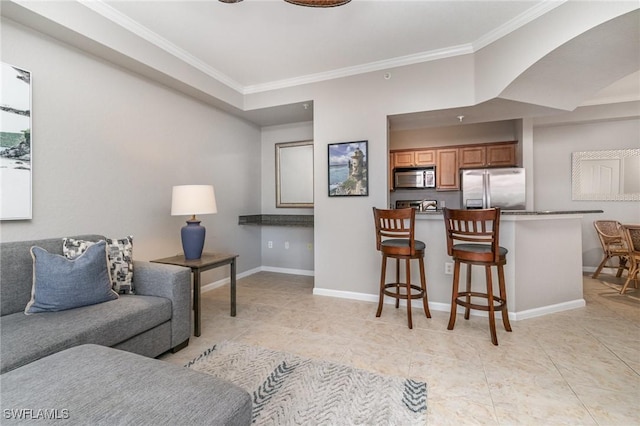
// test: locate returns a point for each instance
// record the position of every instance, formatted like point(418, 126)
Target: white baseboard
point(288, 271)
point(367, 297)
point(220, 283)
point(446, 307)
point(545, 310)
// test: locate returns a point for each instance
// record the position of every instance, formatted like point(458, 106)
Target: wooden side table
point(197, 266)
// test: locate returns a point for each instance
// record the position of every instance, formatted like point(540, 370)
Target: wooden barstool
point(478, 234)
point(395, 238)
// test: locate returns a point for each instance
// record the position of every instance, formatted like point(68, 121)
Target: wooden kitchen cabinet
point(473, 156)
point(447, 170)
point(488, 155)
point(403, 159)
point(391, 164)
point(501, 155)
point(414, 158)
point(425, 158)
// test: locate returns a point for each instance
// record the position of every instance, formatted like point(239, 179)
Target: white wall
point(463, 134)
point(355, 109)
point(299, 256)
point(552, 148)
point(108, 145)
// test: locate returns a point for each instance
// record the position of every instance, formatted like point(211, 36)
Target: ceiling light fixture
point(308, 3)
point(318, 3)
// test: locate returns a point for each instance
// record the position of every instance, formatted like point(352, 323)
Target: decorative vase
point(192, 239)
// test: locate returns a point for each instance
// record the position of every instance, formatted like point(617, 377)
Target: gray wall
point(108, 145)
point(553, 145)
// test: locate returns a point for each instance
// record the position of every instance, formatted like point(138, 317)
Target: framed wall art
point(15, 144)
point(348, 169)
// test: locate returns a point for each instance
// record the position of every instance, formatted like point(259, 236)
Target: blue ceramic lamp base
point(193, 239)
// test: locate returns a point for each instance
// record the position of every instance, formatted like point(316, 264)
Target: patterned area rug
point(291, 390)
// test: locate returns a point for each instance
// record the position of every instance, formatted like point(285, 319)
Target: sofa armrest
point(173, 283)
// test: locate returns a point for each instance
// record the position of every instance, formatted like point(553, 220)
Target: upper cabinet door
point(403, 159)
point(488, 155)
point(417, 158)
point(447, 170)
point(472, 157)
point(501, 155)
point(425, 158)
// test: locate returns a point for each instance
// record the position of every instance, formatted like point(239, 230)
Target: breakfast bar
point(543, 273)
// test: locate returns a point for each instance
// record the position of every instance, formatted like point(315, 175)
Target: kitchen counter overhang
point(424, 214)
point(544, 264)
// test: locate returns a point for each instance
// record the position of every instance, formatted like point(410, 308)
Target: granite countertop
point(528, 212)
point(297, 220)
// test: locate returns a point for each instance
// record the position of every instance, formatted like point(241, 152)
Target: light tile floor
point(578, 367)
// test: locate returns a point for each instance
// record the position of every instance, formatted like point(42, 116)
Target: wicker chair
point(632, 238)
point(613, 245)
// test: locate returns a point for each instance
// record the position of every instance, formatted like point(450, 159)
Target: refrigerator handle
point(487, 189)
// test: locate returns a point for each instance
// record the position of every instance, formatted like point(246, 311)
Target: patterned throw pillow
point(60, 284)
point(120, 254)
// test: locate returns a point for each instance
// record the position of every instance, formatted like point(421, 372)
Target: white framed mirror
point(612, 175)
point(294, 174)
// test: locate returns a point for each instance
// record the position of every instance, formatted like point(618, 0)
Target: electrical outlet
point(448, 268)
point(270, 244)
point(286, 245)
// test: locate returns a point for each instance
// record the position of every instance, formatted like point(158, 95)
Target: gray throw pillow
point(60, 284)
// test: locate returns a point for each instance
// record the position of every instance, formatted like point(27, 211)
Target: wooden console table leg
point(233, 287)
point(196, 302)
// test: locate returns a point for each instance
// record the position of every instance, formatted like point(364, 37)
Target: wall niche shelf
point(296, 220)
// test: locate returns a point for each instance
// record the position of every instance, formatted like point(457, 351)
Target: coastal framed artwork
point(348, 169)
point(15, 144)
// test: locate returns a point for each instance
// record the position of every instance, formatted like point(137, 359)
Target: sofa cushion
point(60, 283)
point(26, 338)
point(93, 385)
point(16, 273)
point(119, 253)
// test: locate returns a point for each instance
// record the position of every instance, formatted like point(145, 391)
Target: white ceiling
point(260, 45)
point(257, 45)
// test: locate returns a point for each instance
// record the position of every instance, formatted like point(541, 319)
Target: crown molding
point(516, 23)
point(362, 69)
point(110, 13)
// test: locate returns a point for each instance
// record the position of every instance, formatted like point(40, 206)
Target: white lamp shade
point(192, 200)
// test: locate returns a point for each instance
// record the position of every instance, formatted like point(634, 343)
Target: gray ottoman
point(96, 385)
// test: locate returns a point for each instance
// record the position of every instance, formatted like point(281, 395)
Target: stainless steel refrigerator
point(485, 188)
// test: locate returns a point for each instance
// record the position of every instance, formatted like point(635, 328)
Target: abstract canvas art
point(15, 144)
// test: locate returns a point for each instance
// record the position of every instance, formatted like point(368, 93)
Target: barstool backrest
point(473, 235)
point(396, 224)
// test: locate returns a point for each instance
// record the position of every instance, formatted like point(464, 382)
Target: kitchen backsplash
point(451, 198)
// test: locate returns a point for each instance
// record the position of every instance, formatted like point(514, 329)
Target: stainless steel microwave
point(423, 177)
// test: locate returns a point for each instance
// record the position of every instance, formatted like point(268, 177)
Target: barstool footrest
point(395, 294)
point(496, 307)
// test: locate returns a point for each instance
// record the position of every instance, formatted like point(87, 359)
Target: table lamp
point(193, 200)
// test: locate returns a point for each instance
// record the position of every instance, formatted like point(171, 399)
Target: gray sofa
point(95, 385)
point(154, 320)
